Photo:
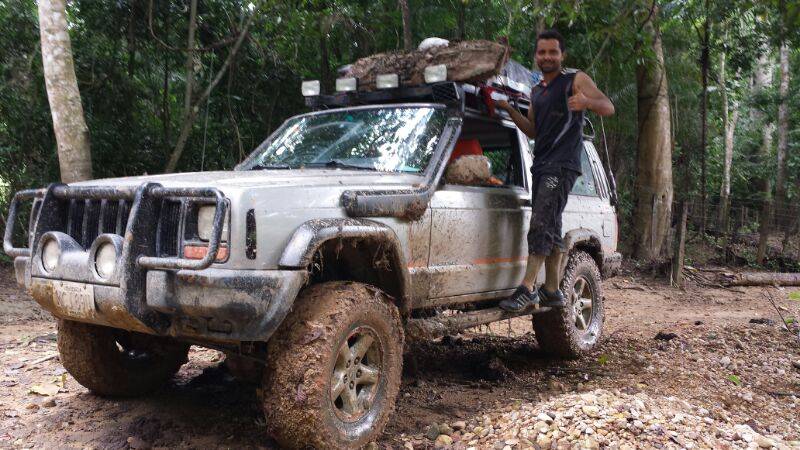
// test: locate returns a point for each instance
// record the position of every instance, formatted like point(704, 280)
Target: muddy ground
point(709, 353)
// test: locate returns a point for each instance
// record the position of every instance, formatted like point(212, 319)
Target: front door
point(478, 241)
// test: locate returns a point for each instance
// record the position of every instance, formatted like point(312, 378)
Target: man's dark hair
point(550, 34)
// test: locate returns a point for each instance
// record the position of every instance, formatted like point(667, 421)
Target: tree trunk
point(679, 246)
point(408, 42)
point(326, 78)
point(783, 134)
point(654, 154)
point(72, 134)
point(131, 39)
point(704, 63)
point(763, 79)
point(187, 95)
point(188, 121)
point(729, 120)
point(461, 25)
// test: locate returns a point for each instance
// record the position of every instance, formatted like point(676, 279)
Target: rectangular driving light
point(310, 88)
point(346, 85)
point(387, 81)
point(435, 74)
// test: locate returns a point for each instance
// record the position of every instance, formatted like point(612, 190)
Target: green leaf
point(735, 380)
point(603, 359)
point(794, 295)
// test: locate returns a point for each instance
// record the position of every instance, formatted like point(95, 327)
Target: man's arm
point(586, 95)
point(525, 124)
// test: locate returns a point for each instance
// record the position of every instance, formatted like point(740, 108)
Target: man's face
point(548, 55)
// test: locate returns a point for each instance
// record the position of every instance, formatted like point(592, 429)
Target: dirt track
point(456, 379)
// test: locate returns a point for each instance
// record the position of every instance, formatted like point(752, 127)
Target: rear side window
point(586, 183)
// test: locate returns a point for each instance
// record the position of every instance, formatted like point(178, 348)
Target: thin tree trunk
point(654, 154)
point(763, 79)
point(324, 58)
point(729, 120)
point(783, 132)
point(408, 42)
point(704, 65)
point(679, 249)
point(187, 95)
point(461, 26)
point(188, 121)
point(72, 134)
point(132, 38)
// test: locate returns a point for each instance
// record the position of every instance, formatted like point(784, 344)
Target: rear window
point(586, 183)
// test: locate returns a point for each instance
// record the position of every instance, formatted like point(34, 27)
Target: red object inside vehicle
point(465, 147)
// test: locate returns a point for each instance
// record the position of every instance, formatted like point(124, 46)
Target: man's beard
point(550, 68)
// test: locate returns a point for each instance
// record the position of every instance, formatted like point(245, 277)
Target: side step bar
point(434, 327)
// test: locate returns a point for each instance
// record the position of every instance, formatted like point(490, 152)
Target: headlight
point(50, 254)
point(105, 260)
point(205, 223)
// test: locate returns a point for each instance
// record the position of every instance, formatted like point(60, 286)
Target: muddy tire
point(572, 331)
point(244, 369)
point(334, 368)
point(118, 363)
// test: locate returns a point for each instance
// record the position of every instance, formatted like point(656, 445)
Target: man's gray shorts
point(550, 195)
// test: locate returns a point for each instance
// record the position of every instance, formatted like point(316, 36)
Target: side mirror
point(469, 170)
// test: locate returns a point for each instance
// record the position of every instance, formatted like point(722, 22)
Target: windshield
point(391, 139)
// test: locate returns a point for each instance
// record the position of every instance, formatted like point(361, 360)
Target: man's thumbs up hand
point(578, 102)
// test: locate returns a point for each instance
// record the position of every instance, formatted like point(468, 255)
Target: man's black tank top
point(559, 131)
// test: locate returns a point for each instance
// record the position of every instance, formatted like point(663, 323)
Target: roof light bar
point(310, 88)
point(346, 84)
point(387, 81)
point(435, 74)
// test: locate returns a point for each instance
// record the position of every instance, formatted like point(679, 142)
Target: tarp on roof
point(517, 77)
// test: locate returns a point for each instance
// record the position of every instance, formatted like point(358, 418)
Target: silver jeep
point(313, 260)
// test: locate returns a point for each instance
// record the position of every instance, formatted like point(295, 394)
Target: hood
point(256, 179)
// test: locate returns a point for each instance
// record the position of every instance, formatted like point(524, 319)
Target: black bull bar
point(143, 213)
point(139, 249)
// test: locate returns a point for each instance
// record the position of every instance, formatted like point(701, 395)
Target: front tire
point(574, 330)
point(335, 365)
point(118, 363)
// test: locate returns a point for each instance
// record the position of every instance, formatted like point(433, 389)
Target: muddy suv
point(344, 234)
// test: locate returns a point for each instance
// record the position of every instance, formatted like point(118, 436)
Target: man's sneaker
point(552, 299)
point(522, 299)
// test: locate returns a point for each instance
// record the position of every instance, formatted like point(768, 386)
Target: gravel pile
point(593, 420)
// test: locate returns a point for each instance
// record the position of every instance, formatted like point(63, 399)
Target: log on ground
point(759, 279)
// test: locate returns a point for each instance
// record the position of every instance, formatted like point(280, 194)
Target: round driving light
point(50, 254)
point(105, 260)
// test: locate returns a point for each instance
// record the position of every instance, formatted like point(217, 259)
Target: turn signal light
point(200, 251)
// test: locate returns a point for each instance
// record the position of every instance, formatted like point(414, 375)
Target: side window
point(585, 184)
point(499, 144)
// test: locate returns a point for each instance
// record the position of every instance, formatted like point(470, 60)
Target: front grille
point(87, 219)
point(169, 228)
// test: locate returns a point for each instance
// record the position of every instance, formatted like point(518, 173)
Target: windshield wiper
point(339, 164)
point(271, 167)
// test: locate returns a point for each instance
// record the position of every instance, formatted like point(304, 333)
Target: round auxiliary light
point(50, 254)
point(105, 260)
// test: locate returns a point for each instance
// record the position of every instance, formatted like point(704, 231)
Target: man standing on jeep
point(555, 119)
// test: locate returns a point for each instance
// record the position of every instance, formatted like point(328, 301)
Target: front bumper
point(211, 304)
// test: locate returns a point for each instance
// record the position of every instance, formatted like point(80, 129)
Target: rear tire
point(334, 368)
point(574, 330)
point(118, 363)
